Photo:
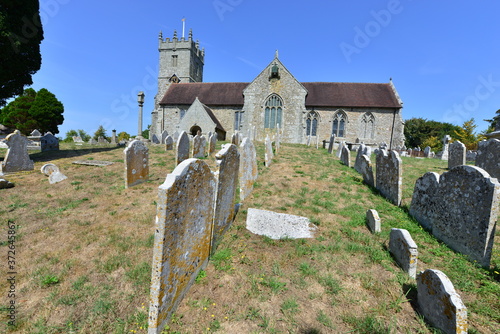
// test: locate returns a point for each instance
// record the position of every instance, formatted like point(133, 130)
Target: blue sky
point(443, 56)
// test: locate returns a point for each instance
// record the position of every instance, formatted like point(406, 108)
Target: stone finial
point(191, 35)
point(160, 35)
point(175, 34)
point(276, 55)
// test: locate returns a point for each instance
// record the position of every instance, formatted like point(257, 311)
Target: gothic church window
point(174, 60)
point(339, 124)
point(238, 120)
point(273, 112)
point(312, 123)
point(367, 126)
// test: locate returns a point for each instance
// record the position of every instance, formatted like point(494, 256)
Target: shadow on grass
point(69, 153)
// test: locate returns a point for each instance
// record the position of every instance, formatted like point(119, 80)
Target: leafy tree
point(123, 136)
point(493, 122)
point(467, 136)
point(74, 133)
point(20, 36)
point(145, 133)
point(33, 110)
point(433, 142)
point(418, 131)
point(101, 132)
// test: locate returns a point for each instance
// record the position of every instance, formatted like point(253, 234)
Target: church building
point(354, 112)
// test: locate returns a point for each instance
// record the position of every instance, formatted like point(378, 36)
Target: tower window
point(273, 112)
point(339, 122)
point(312, 123)
point(174, 60)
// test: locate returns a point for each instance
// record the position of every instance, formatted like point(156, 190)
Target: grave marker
point(169, 143)
point(182, 147)
point(456, 155)
point(373, 221)
point(248, 168)
point(268, 157)
point(49, 142)
point(345, 156)
point(136, 163)
point(389, 175)
point(17, 158)
point(488, 156)
point(404, 250)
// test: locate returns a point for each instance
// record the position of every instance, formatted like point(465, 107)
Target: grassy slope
point(85, 247)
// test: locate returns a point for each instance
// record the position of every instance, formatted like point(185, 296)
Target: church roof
point(320, 94)
point(213, 118)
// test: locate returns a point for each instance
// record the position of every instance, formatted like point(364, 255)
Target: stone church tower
point(181, 60)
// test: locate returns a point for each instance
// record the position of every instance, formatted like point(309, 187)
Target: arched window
point(339, 124)
point(312, 123)
point(368, 126)
point(273, 112)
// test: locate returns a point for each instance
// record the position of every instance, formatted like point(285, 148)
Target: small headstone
point(49, 142)
point(17, 158)
point(228, 161)
point(439, 303)
point(183, 231)
point(345, 157)
point(154, 139)
point(4, 184)
point(136, 163)
point(176, 135)
point(362, 150)
point(279, 225)
point(488, 156)
point(77, 139)
point(423, 201)
point(235, 139)
point(404, 250)
point(427, 152)
point(248, 168)
point(373, 221)
point(182, 147)
point(35, 133)
point(48, 169)
point(456, 155)
point(169, 143)
point(53, 172)
point(212, 143)
point(199, 146)
point(268, 156)
point(163, 137)
point(92, 141)
point(389, 176)
point(339, 149)
point(102, 140)
point(330, 144)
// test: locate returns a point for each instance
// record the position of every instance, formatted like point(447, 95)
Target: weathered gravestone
point(439, 303)
point(366, 170)
point(446, 142)
point(169, 143)
point(53, 172)
point(176, 135)
point(35, 133)
point(49, 142)
point(427, 152)
point(102, 140)
point(182, 147)
point(345, 157)
point(248, 168)
point(389, 175)
point(268, 156)
point(279, 225)
point(423, 200)
point(463, 210)
point(236, 138)
point(362, 150)
point(339, 149)
point(488, 157)
point(17, 158)
point(228, 161)
point(182, 237)
point(404, 250)
point(212, 143)
point(199, 146)
point(373, 221)
point(78, 139)
point(136, 163)
point(331, 143)
point(92, 141)
point(456, 154)
point(113, 136)
point(163, 137)
point(154, 139)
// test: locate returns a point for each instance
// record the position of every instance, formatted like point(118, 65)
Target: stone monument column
point(140, 100)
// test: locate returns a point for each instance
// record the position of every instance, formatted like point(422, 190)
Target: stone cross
point(17, 158)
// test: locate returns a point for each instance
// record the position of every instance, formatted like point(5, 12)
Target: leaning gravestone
point(330, 144)
point(488, 157)
point(339, 149)
point(366, 170)
point(17, 158)
point(182, 147)
point(362, 150)
point(345, 157)
point(136, 163)
point(228, 161)
point(49, 142)
point(423, 201)
point(169, 143)
point(182, 239)
point(248, 168)
point(439, 303)
point(199, 146)
point(404, 250)
point(373, 221)
point(389, 175)
point(268, 156)
point(456, 154)
point(78, 139)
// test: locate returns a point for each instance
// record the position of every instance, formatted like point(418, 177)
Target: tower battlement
point(182, 43)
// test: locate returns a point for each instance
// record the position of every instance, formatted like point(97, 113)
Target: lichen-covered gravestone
point(228, 161)
point(456, 154)
point(389, 175)
point(345, 156)
point(199, 146)
point(404, 250)
point(268, 155)
point(248, 168)
point(212, 143)
point(17, 158)
point(423, 201)
point(439, 303)
point(182, 147)
point(182, 237)
point(362, 150)
point(49, 142)
point(366, 170)
point(169, 143)
point(136, 163)
point(488, 156)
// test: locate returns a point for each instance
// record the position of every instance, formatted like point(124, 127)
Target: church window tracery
point(368, 125)
point(312, 123)
point(273, 112)
point(339, 124)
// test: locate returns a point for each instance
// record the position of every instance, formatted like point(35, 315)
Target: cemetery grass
point(84, 251)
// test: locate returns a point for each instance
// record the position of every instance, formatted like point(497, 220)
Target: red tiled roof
point(320, 94)
point(209, 93)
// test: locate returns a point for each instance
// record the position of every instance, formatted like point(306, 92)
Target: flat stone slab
point(93, 163)
point(279, 225)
